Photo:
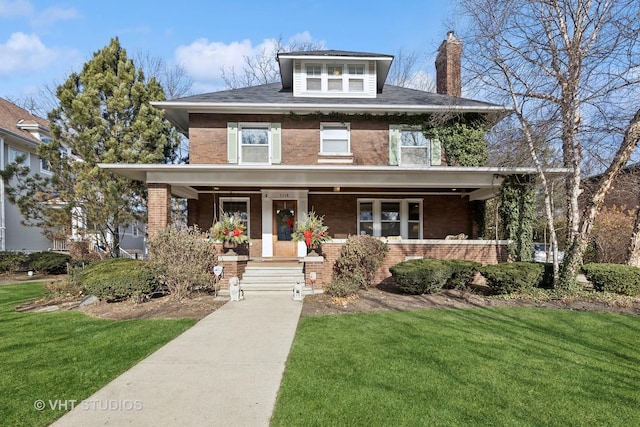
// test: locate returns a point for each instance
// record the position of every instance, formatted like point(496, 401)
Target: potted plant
point(311, 231)
point(230, 230)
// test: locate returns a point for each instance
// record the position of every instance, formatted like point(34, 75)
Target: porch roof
point(479, 183)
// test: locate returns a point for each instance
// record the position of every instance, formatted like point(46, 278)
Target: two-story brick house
point(331, 137)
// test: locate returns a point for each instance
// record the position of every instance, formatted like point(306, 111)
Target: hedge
point(621, 279)
point(118, 279)
point(424, 276)
point(48, 262)
point(506, 278)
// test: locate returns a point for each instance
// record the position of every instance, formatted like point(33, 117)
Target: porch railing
point(60, 245)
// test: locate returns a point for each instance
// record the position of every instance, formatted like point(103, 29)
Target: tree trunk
point(573, 258)
point(633, 252)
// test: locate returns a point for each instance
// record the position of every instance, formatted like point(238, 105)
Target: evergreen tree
point(104, 116)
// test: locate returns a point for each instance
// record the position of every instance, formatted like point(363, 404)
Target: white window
point(314, 76)
point(15, 155)
point(356, 77)
point(334, 138)
point(254, 143)
point(236, 206)
point(135, 230)
point(384, 218)
point(334, 78)
point(414, 147)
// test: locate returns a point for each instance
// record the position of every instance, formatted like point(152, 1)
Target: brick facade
point(159, 207)
point(300, 139)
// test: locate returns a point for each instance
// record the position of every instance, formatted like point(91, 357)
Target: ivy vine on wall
point(517, 215)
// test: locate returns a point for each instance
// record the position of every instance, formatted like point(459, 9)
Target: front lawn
point(512, 367)
point(65, 356)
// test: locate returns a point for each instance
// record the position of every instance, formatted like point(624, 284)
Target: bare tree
point(571, 66)
point(262, 68)
point(407, 71)
point(174, 79)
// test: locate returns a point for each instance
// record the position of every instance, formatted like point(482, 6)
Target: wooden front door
point(284, 219)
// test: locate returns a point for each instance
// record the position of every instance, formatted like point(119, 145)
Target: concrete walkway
point(224, 371)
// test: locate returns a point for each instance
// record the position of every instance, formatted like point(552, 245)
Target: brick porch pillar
point(159, 207)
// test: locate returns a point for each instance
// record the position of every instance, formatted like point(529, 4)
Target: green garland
point(517, 214)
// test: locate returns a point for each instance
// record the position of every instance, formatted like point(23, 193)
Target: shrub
point(360, 257)
point(339, 287)
point(462, 273)
point(12, 261)
point(119, 279)
point(182, 259)
point(617, 278)
point(421, 276)
point(48, 262)
point(506, 278)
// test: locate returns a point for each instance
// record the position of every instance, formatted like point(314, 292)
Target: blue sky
point(42, 42)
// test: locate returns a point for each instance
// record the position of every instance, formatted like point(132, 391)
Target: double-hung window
point(236, 206)
point(414, 147)
point(356, 77)
point(334, 138)
point(314, 76)
point(385, 218)
point(334, 78)
point(254, 143)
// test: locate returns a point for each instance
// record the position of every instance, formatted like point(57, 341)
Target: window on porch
point(236, 205)
point(384, 218)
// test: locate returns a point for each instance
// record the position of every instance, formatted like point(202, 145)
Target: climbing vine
point(463, 144)
point(517, 214)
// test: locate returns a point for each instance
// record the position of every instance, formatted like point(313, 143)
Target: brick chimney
point(448, 80)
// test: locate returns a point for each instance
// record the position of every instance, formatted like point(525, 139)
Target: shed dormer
point(334, 73)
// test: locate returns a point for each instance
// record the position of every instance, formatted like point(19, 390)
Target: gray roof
point(272, 99)
point(273, 93)
point(335, 53)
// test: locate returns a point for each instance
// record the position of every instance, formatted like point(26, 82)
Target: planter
point(231, 246)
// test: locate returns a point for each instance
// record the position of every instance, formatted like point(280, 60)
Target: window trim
point(261, 125)
point(247, 200)
point(345, 77)
point(347, 126)
point(404, 216)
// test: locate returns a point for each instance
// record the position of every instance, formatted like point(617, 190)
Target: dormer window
point(336, 79)
point(314, 77)
point(356, 78)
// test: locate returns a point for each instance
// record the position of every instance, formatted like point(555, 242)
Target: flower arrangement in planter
point(230, 231)
point(311, 231)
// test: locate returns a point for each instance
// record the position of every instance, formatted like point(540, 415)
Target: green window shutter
point(436, 152)
point(394, 141)
point(276, 143)
point(232, 142)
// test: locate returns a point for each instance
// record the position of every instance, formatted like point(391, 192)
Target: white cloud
point(10, 9)
point(51, 15)
point(26, 53)
point(204, 59)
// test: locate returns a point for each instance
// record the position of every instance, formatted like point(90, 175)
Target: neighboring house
point(332, 137)
point(20, 134)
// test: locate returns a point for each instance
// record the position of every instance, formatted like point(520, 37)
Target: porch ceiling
point(480, 183)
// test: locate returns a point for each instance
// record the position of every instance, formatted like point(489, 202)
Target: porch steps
point(273, 276)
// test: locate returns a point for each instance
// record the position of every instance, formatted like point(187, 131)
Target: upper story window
point(334, 138)
point(356, 78)
point(332, 79)
point(414, 147)
point(314, 77)
point(18, 156)
point(254, 143)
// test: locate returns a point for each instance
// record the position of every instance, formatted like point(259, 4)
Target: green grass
point(502, 367)
point(65, 355)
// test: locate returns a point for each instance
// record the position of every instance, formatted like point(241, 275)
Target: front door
point(284, 220)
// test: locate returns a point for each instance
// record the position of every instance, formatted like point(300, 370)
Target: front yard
point(487, 366)
point(65, 356)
